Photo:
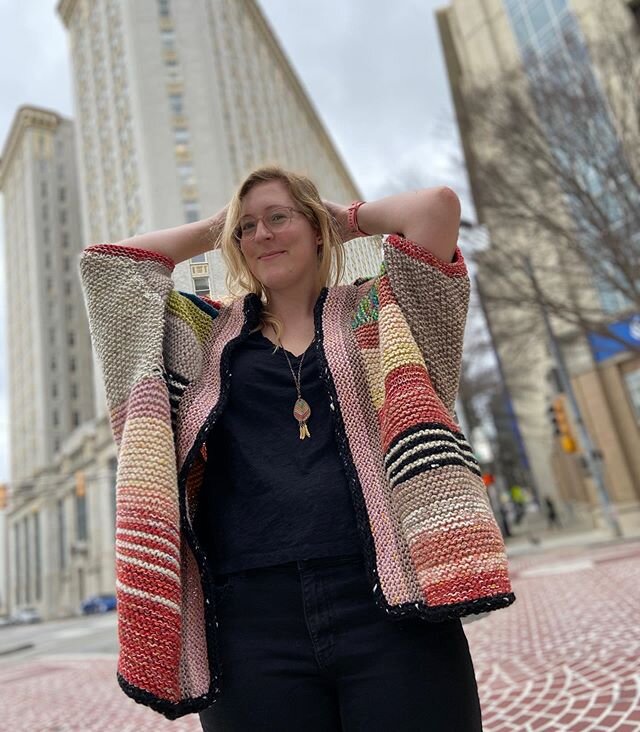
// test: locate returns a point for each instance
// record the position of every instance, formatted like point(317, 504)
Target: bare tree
point(557, 164)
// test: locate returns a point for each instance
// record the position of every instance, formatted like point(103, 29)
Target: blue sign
point(627, 331)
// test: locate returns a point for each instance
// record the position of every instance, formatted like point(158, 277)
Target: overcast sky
point(373, 69)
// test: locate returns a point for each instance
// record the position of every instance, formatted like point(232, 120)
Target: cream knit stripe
point(147, 565)
point(429, 462)
point(147, 596)
point(428, 432)
point(155, 553)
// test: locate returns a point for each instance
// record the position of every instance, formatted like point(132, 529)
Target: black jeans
point(304, 647)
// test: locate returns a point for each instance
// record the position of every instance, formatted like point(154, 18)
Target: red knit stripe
point(467, 587)
point(150, 644)
point(367, 335)
point(410, 399)
point(138, 255)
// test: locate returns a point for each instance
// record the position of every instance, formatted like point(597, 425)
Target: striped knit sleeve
point(125, 291)
point(434, 298)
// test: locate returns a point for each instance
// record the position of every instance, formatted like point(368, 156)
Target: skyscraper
point(487, 42)
point(176, 100)
point(50, 383)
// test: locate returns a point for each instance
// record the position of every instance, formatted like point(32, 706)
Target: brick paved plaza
point(564, 658)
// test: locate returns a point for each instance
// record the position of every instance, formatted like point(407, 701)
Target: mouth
point(271, 255)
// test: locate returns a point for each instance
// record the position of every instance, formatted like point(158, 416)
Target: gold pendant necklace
point(301, 409)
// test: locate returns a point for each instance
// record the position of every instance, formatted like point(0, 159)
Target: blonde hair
point(331, 254)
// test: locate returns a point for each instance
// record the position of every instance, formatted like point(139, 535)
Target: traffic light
point(561, 425)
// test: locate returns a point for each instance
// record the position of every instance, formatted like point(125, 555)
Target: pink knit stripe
point(364, 439)
point(148, 398)
point(138, 255)
point(457, 268)
point(467, 587)
point(203, 394)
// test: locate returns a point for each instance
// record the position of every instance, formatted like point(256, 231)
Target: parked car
point(98, 604)
point(5, 620)
point(25, 615)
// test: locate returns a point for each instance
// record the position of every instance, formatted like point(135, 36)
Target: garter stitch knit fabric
point(390, 350)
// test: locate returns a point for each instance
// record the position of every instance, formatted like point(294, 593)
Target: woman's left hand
point(339, 214)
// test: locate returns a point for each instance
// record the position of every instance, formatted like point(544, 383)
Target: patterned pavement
point(563, 658)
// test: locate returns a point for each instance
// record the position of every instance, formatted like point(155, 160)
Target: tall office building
point(49, 366)
point(486, 41)
point(176, 100)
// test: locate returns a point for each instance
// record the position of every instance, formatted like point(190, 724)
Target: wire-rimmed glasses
point(276, 219)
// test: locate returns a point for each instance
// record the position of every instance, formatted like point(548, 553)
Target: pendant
point(302, 412)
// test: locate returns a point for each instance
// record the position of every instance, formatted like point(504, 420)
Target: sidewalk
point(564, 657)
point(533, 537)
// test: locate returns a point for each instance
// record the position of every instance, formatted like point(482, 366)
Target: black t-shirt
point(268, 496)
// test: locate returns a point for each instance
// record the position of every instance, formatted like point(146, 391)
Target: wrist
point(352, 220)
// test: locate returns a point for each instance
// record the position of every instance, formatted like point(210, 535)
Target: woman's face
point(281, 258)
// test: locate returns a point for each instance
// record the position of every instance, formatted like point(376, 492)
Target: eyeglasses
point(276, 220)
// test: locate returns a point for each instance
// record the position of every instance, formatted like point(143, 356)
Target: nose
point(262, 231)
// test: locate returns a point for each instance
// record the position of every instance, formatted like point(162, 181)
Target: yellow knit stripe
point(191, 314)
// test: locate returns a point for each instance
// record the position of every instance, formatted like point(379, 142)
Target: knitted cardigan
point(389, 348)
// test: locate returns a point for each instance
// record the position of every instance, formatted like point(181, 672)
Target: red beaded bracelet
point(352, 219)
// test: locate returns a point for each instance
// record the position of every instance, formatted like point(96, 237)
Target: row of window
point(182, 139)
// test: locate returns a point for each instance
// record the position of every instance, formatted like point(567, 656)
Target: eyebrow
point(266, 208)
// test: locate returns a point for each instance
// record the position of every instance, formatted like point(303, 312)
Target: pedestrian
point(552, 514)
point(300, 522)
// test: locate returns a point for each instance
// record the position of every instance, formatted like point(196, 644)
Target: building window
point(67, 287)
point(634, 7)
point(43, 188)
point(181, 135)
point(54, 364)
point(45, 235)
point(72, 365)
point(168, 39)
point(75, 418)
point(45, 212)
point(74, 390)
point(62, 535)
point(55, 418)
point(67, 264)
point(632, 382)
point(65, 240)
point(71, 338)
point(201, 285)
point(163, 8)
point(54, 390)
point(37, 548)
point(176, 102)
point(113, 470)
point(81, 518)
point(198, 259)
point(185, 171)
point(191, 212)
point(63, 216)
point(62, 194)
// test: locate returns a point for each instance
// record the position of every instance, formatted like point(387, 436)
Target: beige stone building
point(483, 40)
point(174, 102)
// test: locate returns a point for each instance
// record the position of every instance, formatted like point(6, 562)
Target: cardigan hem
point(169, 709)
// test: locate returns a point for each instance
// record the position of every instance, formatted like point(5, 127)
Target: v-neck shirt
point(268, 496)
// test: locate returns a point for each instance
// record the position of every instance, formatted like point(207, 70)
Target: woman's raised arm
point(430, 217)
point(181, 242)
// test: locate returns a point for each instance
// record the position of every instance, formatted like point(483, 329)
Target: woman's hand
point(339, 214)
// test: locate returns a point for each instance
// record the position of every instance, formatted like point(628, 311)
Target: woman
point(301, 524)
